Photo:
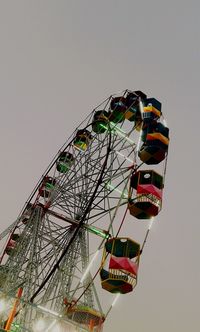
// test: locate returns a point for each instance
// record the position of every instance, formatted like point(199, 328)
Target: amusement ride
point(65, 261)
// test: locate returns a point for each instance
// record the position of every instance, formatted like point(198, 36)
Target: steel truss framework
point(57, 241)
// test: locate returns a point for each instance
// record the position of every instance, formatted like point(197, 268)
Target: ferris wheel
point(68, 250)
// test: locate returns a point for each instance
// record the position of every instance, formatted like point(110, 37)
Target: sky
point(58, 60)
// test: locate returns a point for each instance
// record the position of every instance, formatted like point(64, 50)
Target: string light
point(151, 223)
point(121, 155)
point(115, 299)
point(49, 311)
point(89, 266)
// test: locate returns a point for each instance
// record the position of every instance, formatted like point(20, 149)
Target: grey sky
point(59, 59)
